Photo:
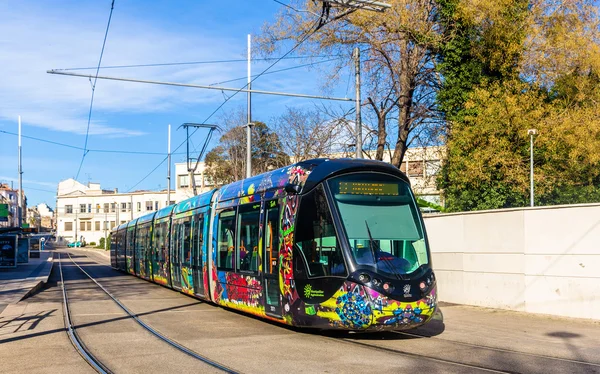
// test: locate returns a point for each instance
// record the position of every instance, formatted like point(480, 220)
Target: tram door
point(182, 251)
point(197, 253)
point(271, 259)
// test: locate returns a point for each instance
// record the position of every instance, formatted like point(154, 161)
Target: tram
point(323, 243)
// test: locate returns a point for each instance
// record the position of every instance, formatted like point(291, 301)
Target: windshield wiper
point(387, 262)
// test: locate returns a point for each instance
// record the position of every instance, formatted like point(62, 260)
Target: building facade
point(88, 213)
point(10, 197)
point(183, 185)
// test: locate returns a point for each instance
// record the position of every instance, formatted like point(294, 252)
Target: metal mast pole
point(20, 179)
point(248, 125)
point(358, 116)
point(169, 167)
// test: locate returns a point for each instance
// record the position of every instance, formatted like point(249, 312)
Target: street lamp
point(531, 133)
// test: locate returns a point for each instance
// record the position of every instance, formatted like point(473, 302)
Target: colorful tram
point(331, 244)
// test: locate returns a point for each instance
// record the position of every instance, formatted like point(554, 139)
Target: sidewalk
point(25, 279)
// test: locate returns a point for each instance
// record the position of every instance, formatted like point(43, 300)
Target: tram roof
point(194, 202)
point(305, 174)
point(146, 218)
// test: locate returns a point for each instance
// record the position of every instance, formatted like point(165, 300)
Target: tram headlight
point(388, 287)
point(365, 278)
point(422, 286)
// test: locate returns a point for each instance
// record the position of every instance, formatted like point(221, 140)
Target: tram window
point(316, 239)
point(225, 245)
point(197, 235)
point(272, 237)
point(183, 230)
point(247, 248)
point(381, 220)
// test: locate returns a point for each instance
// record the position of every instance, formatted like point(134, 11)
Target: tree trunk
point(405, 105)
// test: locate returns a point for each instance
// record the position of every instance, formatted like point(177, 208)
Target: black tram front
point(361, 257)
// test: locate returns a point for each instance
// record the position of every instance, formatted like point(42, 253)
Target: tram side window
point(225, 244)
point(197, 237)
point(316, 242)
point(247, 248)
point(272, 237)
point(182, 230)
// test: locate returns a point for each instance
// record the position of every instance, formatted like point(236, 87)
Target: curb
point(41, 283)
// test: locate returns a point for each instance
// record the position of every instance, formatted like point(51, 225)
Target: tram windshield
point(382, 222)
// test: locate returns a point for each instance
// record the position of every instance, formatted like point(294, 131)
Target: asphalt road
point(470, 340)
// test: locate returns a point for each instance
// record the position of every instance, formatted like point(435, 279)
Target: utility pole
point(169, 167)
point(531, 133)
point(358, 129)
point(191, 169)
point(20, 179)
point(249, 122)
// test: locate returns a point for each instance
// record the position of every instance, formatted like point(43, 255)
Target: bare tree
point(398, 65)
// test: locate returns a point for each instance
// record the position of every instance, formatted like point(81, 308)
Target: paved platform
point(18, 283)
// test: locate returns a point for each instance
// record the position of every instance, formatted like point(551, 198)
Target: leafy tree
point(546, 80)
point(226, 162)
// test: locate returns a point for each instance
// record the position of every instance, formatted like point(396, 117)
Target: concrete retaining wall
point(538, 260)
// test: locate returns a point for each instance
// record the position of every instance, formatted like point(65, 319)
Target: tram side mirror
point(292, 188)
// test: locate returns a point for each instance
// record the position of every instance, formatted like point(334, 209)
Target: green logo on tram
point(309, 292)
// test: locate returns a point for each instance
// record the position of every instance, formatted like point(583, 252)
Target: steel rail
point(425, 357)
point(497, 349)
point(75, 340)
point(155, 332)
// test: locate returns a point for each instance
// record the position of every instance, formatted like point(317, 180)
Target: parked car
point(76, 244)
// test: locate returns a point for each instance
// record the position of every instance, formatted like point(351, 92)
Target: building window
point(68, 209)
point(113, 206)
point(415, 169)
point(432, 167)
point(81, 208)
point(156, 205)
point(129, 207)
point(105, 207)
point(89, 210)
point(148, 205)
point(89, 225)
point(183, 180)
point(123, 207)
point(97, 225)
point(139, 206)
point(68, 226)
point(97, 208)
point(112, 224)
point(82, 226)
point(122, 222)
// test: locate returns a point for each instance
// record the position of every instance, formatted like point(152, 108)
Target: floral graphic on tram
point(354, 309)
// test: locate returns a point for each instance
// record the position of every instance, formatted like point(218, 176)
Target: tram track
point(86, 353)
point(424, 357)
point(505, 350)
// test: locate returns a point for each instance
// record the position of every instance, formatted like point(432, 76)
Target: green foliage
point(93, 244)
point(103, 244)
point(493, 93)
point(226, 163)
point(428, 204)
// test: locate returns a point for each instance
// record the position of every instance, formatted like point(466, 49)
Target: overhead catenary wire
point(308, 34)
point(87, 132)
point(279, 71)
point(192, 63)
point(89, 150)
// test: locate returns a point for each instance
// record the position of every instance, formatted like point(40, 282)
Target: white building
point(183, 187)
point(10, 197)
point(89, 212)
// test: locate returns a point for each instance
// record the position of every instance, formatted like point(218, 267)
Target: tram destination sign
point(365, 188)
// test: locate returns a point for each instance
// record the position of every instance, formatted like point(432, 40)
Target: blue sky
point(36, 36)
